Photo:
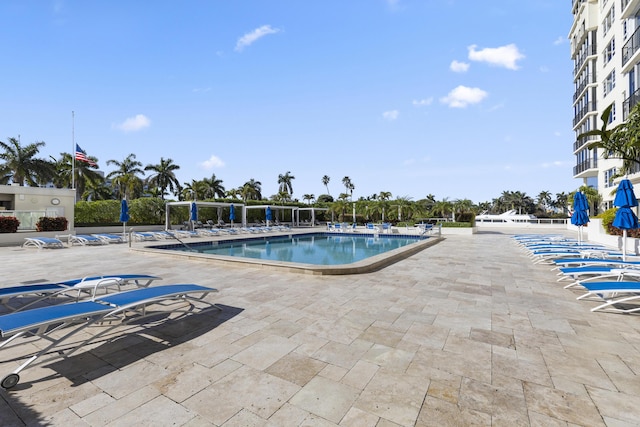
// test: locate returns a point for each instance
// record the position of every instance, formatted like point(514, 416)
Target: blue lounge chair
point(42, 243)
point(110, 238)
point(77, 316)
point(615, 295)
point(89, 284)
point(141, 236)
point(85, 239)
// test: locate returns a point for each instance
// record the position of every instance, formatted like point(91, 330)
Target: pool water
point(311, 248)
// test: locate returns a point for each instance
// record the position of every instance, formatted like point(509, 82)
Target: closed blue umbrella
point(625, 195)
point(268, 214)
point(124, 211)
point(124, 216)
point(232, 213)
point(625, 218)
point(580, 216)
point(194, 214)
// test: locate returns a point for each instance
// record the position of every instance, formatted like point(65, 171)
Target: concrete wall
point(52, 201)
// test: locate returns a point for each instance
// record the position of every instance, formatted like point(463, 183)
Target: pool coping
point(367, 265)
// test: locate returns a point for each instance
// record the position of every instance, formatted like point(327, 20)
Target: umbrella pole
point(624, 245)
point(580, 234)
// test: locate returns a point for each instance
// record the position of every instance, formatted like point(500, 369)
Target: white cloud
point(422, 102)
point(391, 115)
point(458, 67)
point(393, 3)
point(555, 164)
point(503, 56)
point(250, 38)
point(212, 162)
point(463, 96)
point(133, 124)
point(560, 40)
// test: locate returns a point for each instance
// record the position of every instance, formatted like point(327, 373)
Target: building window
point(609, 83)
point(608, 177)
point(612, 115)
point(609, 50)
point(607, 22)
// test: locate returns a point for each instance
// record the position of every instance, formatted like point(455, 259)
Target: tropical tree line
point(131, 179)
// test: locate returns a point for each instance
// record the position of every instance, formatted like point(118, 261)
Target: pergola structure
point(239, 207)
point(313, 214)
point(274, 208)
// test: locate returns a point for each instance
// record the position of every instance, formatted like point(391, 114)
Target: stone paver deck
point(466, 332)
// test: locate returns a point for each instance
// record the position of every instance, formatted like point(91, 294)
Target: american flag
point(81, 155)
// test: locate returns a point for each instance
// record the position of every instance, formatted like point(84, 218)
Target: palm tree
point(97, 190)
point(461, 206)
point(442, 208)
point(309, 198)
point(404, 206)
point(234, 193)
point(194, 190)
point(22, 166)
point(620, 142)
point(284, 182)
point(125, 177)
point(251, 190)
point(215, 187)
point(544, 200)
point(560, 203)
point(348, 185)
point(325, 182)
point(339, 207)
point(164, 176)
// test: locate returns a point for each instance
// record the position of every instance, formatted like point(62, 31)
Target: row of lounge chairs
point(72, 239)
point(206, 232)
point(597, 272)
point(107, 238)
point(59, 310)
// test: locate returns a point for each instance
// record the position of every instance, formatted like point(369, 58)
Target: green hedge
point(148, 211)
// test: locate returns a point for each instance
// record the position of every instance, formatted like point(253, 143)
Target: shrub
point(607, 223)
point(450, 224)
point(52, 224)
point(9, 224)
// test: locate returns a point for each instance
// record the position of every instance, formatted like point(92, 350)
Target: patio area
point(466, 332)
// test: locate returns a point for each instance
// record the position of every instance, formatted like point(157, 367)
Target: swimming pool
point(315, 253)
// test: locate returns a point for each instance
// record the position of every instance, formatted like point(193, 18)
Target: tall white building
point(605, 49)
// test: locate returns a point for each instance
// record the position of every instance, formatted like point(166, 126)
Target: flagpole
point(73, 155)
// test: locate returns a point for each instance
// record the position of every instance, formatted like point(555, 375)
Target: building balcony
point(581, 142)
point(582, 112)
point(580, 88)
point(581, 59)
point(630, 49)
point(629, 103)
point(629, 8)
point(586, 169)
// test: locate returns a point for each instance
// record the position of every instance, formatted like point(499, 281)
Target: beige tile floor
point(467, 332)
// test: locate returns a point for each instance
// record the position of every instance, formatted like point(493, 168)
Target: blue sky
point(459, 99)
